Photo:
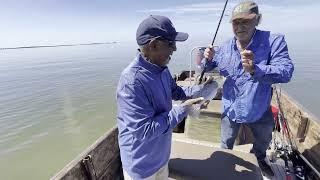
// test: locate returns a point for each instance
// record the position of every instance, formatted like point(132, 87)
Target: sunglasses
point(169, 42)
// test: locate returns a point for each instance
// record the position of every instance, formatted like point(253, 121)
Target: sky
point(49, 22)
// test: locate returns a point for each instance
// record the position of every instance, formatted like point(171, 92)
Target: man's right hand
point(188, 103)
point(208, 80)
point(209, 52)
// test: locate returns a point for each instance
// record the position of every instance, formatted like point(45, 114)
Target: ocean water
point(54, 102)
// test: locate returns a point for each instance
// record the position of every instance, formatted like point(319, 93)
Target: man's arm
point(183, 93)
point(136, 112)
point(210, 60)
point(280, 68)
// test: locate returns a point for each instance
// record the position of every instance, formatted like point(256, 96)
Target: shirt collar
point(251, 43)
point(149, 66)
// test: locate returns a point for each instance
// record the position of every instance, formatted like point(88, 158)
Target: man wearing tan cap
point(251, 62)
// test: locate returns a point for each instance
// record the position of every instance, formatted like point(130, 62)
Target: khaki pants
point(161, 174)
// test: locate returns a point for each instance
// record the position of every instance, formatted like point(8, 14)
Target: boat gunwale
point(73, 163)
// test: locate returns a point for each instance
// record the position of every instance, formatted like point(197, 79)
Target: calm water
point(54, 102)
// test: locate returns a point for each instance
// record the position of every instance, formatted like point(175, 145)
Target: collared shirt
point(146, 116)
point(246, 97)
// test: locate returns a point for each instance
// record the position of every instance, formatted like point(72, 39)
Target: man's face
point(243, 29)
point(163, 51)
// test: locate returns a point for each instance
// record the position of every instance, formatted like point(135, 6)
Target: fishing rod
point(214, 38)
point(288, 150)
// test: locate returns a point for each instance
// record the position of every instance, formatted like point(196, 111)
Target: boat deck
point(195, 155)
point(191, 160)
point(194, 159)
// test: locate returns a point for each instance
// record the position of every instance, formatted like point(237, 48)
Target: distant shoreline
point(59, 45)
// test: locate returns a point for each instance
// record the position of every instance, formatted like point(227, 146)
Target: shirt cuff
point(259, 70)
point(182, 111)
point(178, 113)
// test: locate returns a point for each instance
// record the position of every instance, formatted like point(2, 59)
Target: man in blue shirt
point(145, 92)
point(251, 62)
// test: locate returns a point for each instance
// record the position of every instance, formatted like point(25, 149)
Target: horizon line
point(58, 45)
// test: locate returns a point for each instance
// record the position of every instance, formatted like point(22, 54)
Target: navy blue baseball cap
point(156, 26)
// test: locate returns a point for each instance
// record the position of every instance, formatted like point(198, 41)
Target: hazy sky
point(45, 22)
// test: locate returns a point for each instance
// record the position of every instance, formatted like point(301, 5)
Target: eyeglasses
point(244, 22)
point(171, 44)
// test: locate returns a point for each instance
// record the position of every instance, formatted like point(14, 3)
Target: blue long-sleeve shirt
point(246, 97)
point(146, 116)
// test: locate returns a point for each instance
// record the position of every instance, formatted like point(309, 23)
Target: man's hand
point(209, 52)
point(247, 58)
point(208, 81)
point(188, 103)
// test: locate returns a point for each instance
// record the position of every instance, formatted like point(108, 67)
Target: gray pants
point(261, 129)
point(161, 174)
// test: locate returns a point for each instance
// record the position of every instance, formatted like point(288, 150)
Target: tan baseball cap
point(245, 10)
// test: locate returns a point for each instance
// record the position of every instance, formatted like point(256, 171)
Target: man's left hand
point(247, 58)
